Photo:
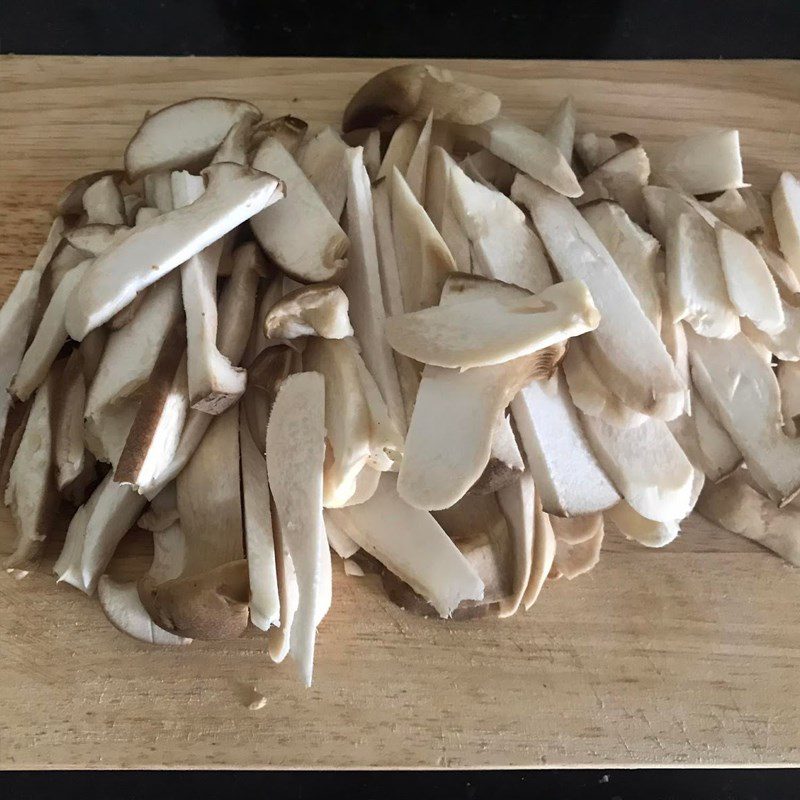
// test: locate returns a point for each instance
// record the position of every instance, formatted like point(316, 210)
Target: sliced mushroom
point(505, 465)
point(95, 238)
point(788, 374)
point(733, 209)
point(366, 484)
point(279, 637)
point(132, 204)
point(372, 154)
point(621, 178)
point(786, 211)
point(103, 203)
point(594, 150)
point(487, 169)
point(401, 146)
point(573, 557)
point(233, 195)
point(417, 170)
point(288, 130)
point(518, 502)
point(66, 258)
point(784, 345)
point(146, 214)
point(236, 144)
point(316, 310)
point(544, 551)
point(322, 161)
point(106, 431)
point(162, 513)
point(158, 191)
point(417, 90)
point(70, 201)
point(184, 135)
point(787, 281)
point(647, 532)
point(625, 347)
point(560, 129)
point(340, 542)
point(719, 456)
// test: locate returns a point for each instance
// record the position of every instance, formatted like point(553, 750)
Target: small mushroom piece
point(235, 146)
point(70, 201)
point(132, 203)
point(322, 161)
point(398, 152)
point(518, 502)
point(93, 239)
point(417, 90)
point(158, 191)
point(647, 532)
point(560, 129)
point(733, 209)
point(593, 150)
point(574, 557)
point(279, 637)
point(316, 310)
point(786, 211)
point(163, 513)
point(340, 542)
point(505, 465)
point(544, 551)
point(103, 203)
point(288, 130)
point(183, 135)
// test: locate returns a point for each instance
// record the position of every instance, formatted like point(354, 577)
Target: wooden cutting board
point(689, 655)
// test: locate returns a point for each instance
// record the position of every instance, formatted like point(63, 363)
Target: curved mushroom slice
point(50, 337)
point(572, 557)
point(634, 251)
point(316, 310)
point(518, 503)
point(340, 542)
point(576, 530)
point(322, 161)
point(15, 428)
point(544, 551)
point(594, 150)
point(211, 605)
point(701, 164)
point(411, 544)
point(233, 195)
point(447, 336)
point(647, 532)
point(569, 480)
point(527, 150)
point(298, 234)
point(31, 491)
point(95, 238)
point(295, 454)
point(417, 90)
point(288, 130)
point(183, 135)
point(103, 203)
point(505, 465)
point(625, 347)
point(417, 170)
point(236, 144)
point(399, 150)
point(621, 178)
point(560, 129)
point(450, 436)
point(786, 211)
point(70, 201)
point(739, 508)
point(742, 392)
point(646, 465)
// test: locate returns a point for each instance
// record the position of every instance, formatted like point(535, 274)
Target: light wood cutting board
point(690, 655)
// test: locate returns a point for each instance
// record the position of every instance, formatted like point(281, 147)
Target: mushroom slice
point(131, 352)
point(751, 287)
point(560, 129)
point(295, 454)
point(739, 508)
point(573, 557)
point(322, 161)
point(352, 569)
point(163, 513)
point(132, 204)
point(594, 150)
point(527, 150)
point(122, 318)
point(786, 211)
point(103, 203)
point(733, 209)
point(51, 336)
point(211, 605)
point(158, 191)
point(787, 281)
point(70, 201)
point(366, 485)
point(347, 416)
point(489, 170)
point(65, 259)
point(264, 598)
point(423, 259)
point(417, 170)
point(449, 439)
point(417, 90)
point(647, 532)
point(16, 317)
point(569, 480)
point(634, 251)
point(363, 287)
point(625, 347)
point(288, 130)
point(411, 544)
point(704, 163)
point(31, 491)
point(447, 336)
point(788, 374)
point(316, 310)
point(299, 234)
point(505, 465)
point(279, 637)
point(621, 178)
point(544, 551)
point(183, 135)
point(784, 345)
point(234, 147)
point(742, 392)
point(210, 509)
point(401, 146)
point(646, 465)
point(95, 238)
point(146, 214)
point(518, 503)
point(340, 542)
point(106, 431)
point(233, 195)
point(372, 154)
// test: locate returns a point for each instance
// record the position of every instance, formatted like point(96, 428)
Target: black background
point(511, 29)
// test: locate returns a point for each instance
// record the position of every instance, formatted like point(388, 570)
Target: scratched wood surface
point(684, 656)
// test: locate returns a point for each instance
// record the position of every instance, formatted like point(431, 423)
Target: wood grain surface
point(689, 655)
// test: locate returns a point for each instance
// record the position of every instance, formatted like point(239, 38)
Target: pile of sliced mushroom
point(443, 345)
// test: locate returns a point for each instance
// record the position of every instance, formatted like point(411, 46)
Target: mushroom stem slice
point(505, 465)
point(322, 161)
point(401, 146)
point(575, 557)
point(621, 178)
point(288, 130)
point(489, 170)
point(417, 170)
point(95, 238)
point(340, 542)
point(518, 503)
point(69, 449)
point(544, 551)
point(593, 150)
point(788, 374)
point(560, 129)
point(103, 203)
point(279, 638)
point(70, 201)
point(162, 513)
point(733, 209)
point(316, 310)
point(786, 211)
point(647, 532)
point(236, 144)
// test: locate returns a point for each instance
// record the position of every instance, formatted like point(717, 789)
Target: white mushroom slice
point(295, 454)
point(505, 465)
point(347, 417)
point(264, 599)
point(158, 191)
point(719, 456)
point(366, 485)
point(784, 345)
point(450, 436)
point(50, 337)
point(233, 195)
point(447, 336)
point(70, 200)
point(298, 234)
point(760, 206)
point(322, 160)
point(632, 525)
point(65, 259)
point(664, 206)
point(704, 163)
point(489, 170)
point(103, 203)
point(750, 285)
point(372, 154)
point(569, 480)
point(786, 279)
point(31, 491)
point(67, 567)
point(742, 392)
point(106, 431)
point(279, 638)
point(786, 211)
point(401, 146)
point(577, 558)
point(634, 251)
point(621, 178)
point(340, 542)
point(518, 502)
point(131, 352)
point(411, 544)
point(316, 310)
point(234, 147)
point(122, 318)
point(560, 128)
point(417, 170)
point(417, 90)
point(527, 150)
point(352, 569)
point(733, 209)
point(646, 465)
point(625, 348)
point(739, 508)
point(594, 150)
point(145, 215)
point(505, 247)
point(162, 513)
point(788, 374)
point(16, 317)
point(210, 510)
point(94, 239)
point(183, 135)
point(544, 551)
point(288, 130)
point(68, 447)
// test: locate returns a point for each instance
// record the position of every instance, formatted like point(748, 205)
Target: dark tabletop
point(619, 29)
